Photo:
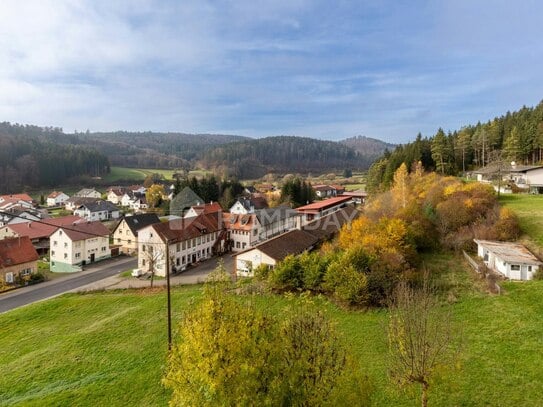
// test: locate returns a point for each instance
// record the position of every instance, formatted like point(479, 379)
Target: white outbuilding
point(512, 260)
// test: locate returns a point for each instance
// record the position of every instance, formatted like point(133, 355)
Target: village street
point(104, 275)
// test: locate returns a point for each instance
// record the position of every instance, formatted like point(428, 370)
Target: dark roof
point(327, 226)
point(293, 242)
point(83, 231)
point(506, 168)
point(179, 230)
point(100, 205)
point(78, 200)
point(16, 250)
point(269, 215)
point(137, 222)
point(184, 200)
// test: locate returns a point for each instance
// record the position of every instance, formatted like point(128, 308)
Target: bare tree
point(419, 335)
point(154, 257)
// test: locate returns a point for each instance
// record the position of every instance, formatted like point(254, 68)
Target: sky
point(324, 69)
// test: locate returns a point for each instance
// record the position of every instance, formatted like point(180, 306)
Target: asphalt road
point(28, 295)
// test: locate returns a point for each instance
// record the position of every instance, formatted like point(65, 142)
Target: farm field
point(529, 209)
point(139, 174)
point(110, 347)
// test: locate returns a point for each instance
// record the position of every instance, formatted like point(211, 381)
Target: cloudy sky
point(330, 69)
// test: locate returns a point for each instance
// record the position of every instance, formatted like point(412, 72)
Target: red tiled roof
point(44, 228)
point(16, 250)
point(212, 207)
point(83, 231)
point(321, 205)
point(187, 228)
point(19, 197)
point(54, 194)
point(238, 222)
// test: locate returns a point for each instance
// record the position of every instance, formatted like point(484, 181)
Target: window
point(237, 245)
point(65, 255)
point(178, 247)
point(177, 262)
point(143, 248)
point(183, 259)
point(529, 268)
point(65, 244)
point(255, 232)
point(104, 248)
point(189, 243)
point(26, 272)
point(129, 241)
point(199, 241)
point(515, 267)
point(119, 240)
point(52, 252)
point(55, 243)
point(78, 255)
point(184, 245)
point(244, 244)
point(143, 262)
point(9, 277)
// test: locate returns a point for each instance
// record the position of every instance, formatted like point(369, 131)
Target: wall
point(16, 269)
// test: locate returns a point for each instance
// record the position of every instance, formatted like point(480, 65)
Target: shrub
point(287, 275)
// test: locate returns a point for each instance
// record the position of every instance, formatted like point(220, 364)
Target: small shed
point(512, 260)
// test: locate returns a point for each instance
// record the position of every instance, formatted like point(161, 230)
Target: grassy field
point(139, 174)
point(529, 209)
point(109, 348)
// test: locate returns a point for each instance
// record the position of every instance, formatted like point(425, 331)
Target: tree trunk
point(152, 278)
point(424, 396)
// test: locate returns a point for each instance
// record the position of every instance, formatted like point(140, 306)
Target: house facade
point(115, 194)
point(57, 198)
point(189, 240)
point(77, 245)
point(18, 259)
point(316, 210)
point(126, 232)
point(512, 260)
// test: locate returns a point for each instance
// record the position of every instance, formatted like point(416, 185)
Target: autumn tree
point(232, 352)
point(400, 188)
point(154, 195)
point(420, 337)
point(440, 151)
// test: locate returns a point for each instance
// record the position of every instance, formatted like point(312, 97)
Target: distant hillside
point(32, 156)
point(282, 154)
point(367, 146)
point(154, 150)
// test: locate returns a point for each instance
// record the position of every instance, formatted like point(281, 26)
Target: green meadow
point(109, 348)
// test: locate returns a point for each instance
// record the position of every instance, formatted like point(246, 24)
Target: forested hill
point(154, 150)
point(32, 156)
point(367, 146)
point(516, 136)
point(282, 154)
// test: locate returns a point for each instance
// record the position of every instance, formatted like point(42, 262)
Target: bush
point(287, 275)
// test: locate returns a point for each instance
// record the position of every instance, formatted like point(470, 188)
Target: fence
point(488, 274)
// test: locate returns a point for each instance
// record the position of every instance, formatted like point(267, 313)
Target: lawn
point(529, 209)
point(109, 348)
point(139, 174)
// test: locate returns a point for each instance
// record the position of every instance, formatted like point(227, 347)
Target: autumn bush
point(231, 353)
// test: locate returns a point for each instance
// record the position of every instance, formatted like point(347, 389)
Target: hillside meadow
point(109, 348)
point(529, 209)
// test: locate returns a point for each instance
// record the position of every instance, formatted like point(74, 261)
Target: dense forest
point(371, 148)
point(282, 154)
point(154, 150)
point(516, 136)
point(32, 156)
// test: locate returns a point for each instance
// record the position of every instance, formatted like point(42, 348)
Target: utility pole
point(168, 295)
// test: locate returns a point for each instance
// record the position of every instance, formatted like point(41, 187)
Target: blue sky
point(330, 69)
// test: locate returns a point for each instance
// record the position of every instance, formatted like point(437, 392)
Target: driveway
point(70, 282)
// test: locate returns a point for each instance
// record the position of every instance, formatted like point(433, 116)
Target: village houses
point(88, 193)
point(18, 259)
point(77, 245)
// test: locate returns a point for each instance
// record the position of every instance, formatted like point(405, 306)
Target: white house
point(294, 242)
point(57, 198)
point(88, 193)
point(189, 240)
point(115, 194)
point(77, 245)
point(98, 210)
point(316, 210)
point(512, 260)
point(247, 230)
point(273, 251)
